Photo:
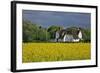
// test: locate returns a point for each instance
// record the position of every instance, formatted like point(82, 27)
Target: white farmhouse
point(67, 35)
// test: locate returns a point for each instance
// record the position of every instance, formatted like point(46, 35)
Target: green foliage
point(52, 29)
point(34, 32)
point(43, 35)
point(29, 31)
point(86, 35)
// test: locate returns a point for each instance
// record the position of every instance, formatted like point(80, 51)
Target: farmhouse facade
point(67, 35)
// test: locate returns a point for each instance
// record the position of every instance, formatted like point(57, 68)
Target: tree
point(87, 35)
point(29, 31)
point(43, 35)
point(52, 30)
point(33, 32)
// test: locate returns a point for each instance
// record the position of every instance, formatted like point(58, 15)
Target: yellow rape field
point(44, 52)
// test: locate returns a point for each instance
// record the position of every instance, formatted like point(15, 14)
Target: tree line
point(36, 33)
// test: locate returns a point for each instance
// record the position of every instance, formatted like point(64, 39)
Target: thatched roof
point(69, 31)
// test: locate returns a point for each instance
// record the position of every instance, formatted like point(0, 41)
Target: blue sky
point(65, 19)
